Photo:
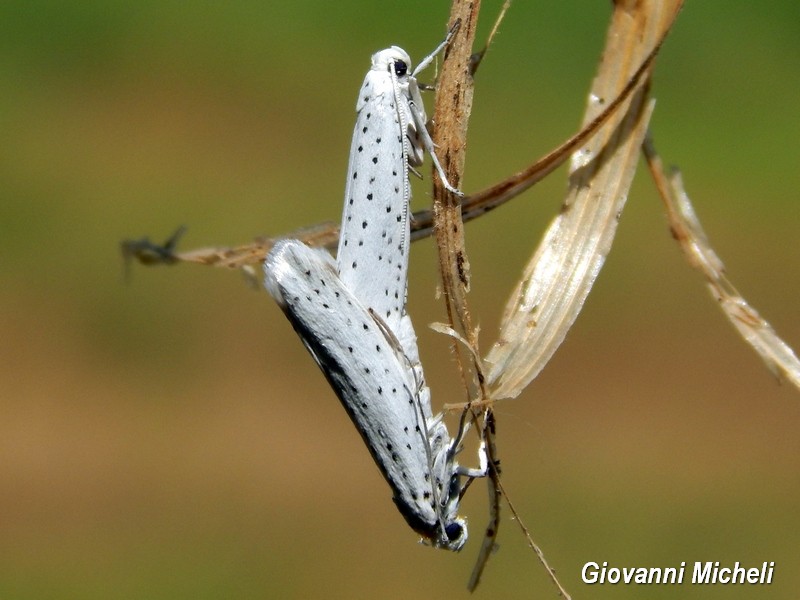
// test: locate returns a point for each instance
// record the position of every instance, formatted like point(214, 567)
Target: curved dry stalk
point(689, 233)
point(249, 256)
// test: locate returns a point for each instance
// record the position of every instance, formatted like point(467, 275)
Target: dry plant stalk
point(687, 231)
point(451, 116)
point(453, 107)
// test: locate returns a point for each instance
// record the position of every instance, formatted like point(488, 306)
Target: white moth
point(388, 139)
point(351, 313)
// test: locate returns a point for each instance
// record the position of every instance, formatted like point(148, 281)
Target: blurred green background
point(170, 437)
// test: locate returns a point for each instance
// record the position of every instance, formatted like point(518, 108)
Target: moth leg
point(483, 462)
point(423, 64)
point(430, 148)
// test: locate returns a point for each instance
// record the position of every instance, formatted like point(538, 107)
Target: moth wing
point(374, 240)
point(376, 387)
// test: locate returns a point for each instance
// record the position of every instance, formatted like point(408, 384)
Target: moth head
point(455, 535)
point(452, 529)
point(395, 59)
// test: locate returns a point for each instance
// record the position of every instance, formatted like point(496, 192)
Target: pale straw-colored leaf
point(563, 269)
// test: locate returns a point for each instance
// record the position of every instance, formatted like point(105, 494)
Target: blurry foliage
point(170, 438)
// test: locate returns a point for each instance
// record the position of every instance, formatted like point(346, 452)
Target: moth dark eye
point(400, 68)
point(453, 531)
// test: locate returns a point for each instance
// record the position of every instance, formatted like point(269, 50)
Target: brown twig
point(451, 116)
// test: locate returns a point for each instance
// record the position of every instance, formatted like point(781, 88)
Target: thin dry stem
point(689, 233)
point(451, 116)
point(529, 538)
